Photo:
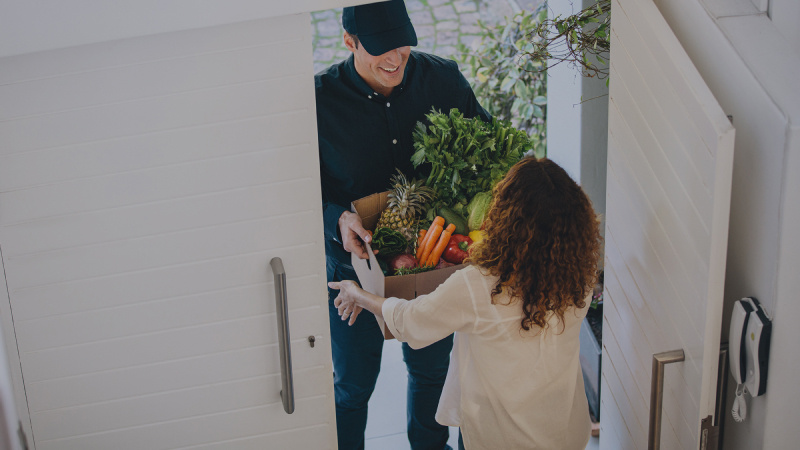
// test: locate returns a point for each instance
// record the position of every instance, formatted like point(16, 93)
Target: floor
point(386, 423)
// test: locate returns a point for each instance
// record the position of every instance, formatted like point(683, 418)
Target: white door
point(145, 186)
point(670, 155)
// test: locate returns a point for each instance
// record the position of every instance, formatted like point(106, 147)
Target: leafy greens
point(467, 156)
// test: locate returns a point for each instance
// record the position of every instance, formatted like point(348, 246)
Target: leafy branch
point(575, 39)
point(509, 85)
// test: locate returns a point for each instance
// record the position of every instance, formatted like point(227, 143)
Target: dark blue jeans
point(357, 353)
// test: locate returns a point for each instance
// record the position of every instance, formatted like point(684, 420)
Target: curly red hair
point(542, 241)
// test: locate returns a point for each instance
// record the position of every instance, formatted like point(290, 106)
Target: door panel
point(144, 188)
point(670, 157)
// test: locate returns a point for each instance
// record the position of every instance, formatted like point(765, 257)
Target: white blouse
point(506, 388)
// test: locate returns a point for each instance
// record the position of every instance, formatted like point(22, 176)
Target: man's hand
point(345, 302)
point(353, 234)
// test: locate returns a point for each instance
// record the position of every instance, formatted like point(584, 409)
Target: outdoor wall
point(577, 119)
point(751, 67)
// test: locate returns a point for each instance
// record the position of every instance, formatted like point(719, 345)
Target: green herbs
point(467, 156)
point(413, 270)
point(389, 242)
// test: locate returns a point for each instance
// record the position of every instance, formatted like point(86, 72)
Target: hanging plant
point(582, 39)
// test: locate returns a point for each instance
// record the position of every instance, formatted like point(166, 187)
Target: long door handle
point(284, 342)
point(657, 394)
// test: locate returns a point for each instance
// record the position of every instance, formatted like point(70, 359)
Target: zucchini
point(456, 219)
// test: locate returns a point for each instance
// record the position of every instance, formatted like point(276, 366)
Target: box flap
point(370, 208)
point(369, 272)
point(427, 282)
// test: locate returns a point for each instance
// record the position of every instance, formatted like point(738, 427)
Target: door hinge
point(709, 434)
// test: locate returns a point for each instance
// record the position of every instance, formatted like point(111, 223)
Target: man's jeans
point(357, 353)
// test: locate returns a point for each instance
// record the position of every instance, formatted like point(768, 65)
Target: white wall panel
point(668, 196)
point(27, 27)
point(144, 187)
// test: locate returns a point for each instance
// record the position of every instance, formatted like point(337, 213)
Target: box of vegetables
point(423, 229)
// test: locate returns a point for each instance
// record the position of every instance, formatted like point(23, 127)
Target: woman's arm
point(351, 298)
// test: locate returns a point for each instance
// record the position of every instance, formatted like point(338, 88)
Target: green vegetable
point(412, 270)
point(455, 218)
point(384, 266)
point(467, 156)
point(477, 209)
point(389, 242)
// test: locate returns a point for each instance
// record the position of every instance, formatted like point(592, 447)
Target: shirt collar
point(363, 87)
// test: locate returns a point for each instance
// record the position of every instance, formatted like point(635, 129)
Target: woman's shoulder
point(473, 271)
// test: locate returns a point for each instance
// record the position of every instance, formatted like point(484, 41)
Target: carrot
point(421, 238)
point(439, 220)
point(441, 244)
point(429, 243)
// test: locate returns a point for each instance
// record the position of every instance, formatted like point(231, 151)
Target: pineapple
point(406, 204)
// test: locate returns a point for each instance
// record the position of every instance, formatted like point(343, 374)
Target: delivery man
point(367, 109)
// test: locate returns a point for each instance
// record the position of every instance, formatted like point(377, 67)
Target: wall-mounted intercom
point(748, 344)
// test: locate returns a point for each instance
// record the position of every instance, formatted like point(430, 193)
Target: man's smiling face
point(382, 73)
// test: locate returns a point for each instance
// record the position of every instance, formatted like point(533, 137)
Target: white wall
point(752, 70)
point(31, 26)
point(785, 14)
point(577, 119)
point(750, 61)
point(44, 47)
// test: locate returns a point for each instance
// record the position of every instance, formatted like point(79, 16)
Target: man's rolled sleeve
point(330, 218)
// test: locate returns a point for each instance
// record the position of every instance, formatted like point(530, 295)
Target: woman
point(514, 380)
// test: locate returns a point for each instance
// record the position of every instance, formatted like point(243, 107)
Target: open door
point(670, 156)
point(145, 186)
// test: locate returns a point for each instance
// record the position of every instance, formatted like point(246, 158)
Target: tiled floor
point(386, 423)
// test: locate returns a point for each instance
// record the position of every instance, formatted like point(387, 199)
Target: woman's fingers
point(344, 303)
point(354, 315)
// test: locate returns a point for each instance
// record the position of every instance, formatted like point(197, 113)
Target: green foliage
point(581, 39)
point(467, 156)
point(511, 87)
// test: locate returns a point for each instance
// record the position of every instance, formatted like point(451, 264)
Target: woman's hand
point(346, 301)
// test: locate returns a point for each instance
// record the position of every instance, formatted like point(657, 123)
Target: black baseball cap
point(381, 26)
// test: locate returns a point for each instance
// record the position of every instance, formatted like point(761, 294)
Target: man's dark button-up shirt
point(364, 136)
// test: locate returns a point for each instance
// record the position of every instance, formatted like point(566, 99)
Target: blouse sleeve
point(432, 317)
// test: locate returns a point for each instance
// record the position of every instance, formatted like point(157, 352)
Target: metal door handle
point(657, 394)
point(284, 342)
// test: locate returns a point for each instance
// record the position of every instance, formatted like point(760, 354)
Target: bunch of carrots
point(433, 241)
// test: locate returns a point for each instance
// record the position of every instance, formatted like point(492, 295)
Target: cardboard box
point(370, 274)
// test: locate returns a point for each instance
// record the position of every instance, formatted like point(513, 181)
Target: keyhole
point(311, 340)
